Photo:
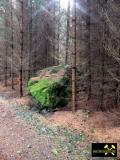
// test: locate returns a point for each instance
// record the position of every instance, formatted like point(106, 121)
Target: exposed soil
point(24, 135)
point(19, 139)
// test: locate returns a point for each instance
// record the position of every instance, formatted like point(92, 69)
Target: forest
point(59, 79)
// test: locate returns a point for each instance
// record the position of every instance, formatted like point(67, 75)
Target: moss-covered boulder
point(51, 88)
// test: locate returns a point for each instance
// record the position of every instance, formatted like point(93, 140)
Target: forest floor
point(27, 135)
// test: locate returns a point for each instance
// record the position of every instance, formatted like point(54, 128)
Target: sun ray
point(64, 3)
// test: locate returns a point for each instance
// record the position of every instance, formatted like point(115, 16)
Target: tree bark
point(30, 42)
point(74, 91)
point(58, 35)
point(88, 23)
point(68, 33)
point(12, 47)
point(21, 51)
point(6, 46)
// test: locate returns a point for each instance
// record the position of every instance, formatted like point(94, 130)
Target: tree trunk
point(102, 52)
point(6, 46)
point(21, 51)
point(68, 33)
point(58, 35)
point(74, 93)
point(88, 48)
point(30, 42)
point(12, 47)
point(53, 58)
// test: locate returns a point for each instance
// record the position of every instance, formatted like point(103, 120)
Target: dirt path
point(18, 140)
point(27, 135)
point(23, 136)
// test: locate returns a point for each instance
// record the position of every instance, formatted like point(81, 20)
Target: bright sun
point(64, 3)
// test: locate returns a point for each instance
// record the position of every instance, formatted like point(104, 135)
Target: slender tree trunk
point(102, 83)
point(30, 51)
point(104, 41)
point(12, 47)
point(88, 23)
point(74, 91)
point(118, 86)
point(68, 33)
point(54, 34)
point(34, 54)
point(58, 35)
point(21, 51)
point(5, 64)
point(6, 46)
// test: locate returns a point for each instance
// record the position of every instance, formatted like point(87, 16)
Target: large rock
point(51, 88)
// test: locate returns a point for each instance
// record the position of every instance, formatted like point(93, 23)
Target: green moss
point(54, 70)
point(50, 93)
point(30, 83)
